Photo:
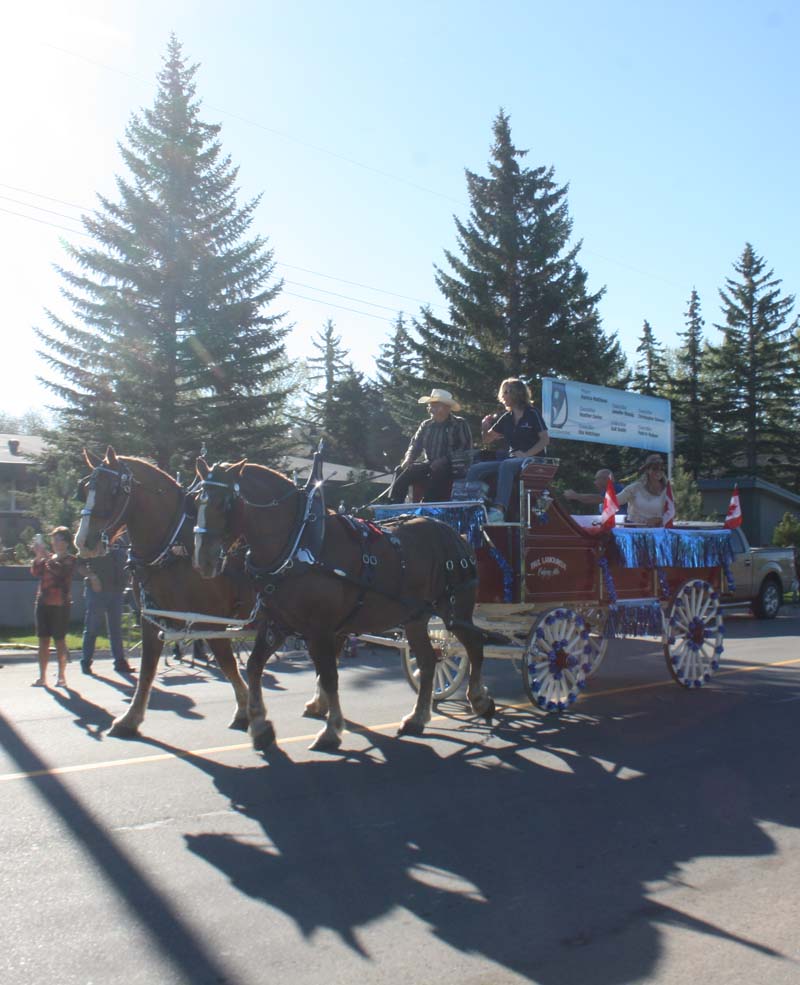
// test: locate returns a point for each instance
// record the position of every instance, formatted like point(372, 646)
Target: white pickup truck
point(762, 576)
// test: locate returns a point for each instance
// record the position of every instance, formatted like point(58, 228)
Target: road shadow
point(179, 946)
point(535, 842)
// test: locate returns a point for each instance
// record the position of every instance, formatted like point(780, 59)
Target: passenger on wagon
point(596, 498)
point(445, 441)
point(647, 495)
point(524, 429)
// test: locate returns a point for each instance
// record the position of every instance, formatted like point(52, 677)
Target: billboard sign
point(583, 412)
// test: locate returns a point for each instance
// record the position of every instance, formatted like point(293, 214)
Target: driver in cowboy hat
point(445, 442)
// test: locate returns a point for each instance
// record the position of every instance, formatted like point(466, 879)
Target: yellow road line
point(210, 750)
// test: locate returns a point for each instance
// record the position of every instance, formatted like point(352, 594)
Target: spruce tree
point(397, 375)
point(650, 374)
point(687, 391)
point(170, 343)
point(755, 375)
point(518, 298)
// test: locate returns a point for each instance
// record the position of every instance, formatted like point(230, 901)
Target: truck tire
point(768, 602)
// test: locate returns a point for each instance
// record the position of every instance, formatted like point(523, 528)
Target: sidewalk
point(11, 655)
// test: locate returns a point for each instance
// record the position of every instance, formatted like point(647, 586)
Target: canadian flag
point(734, 515)
point(669, 507)
point(610, 507)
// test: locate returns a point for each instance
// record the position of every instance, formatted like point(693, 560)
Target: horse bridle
point(234, 494)
point(124, 481)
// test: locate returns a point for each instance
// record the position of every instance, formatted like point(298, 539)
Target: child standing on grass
point(53, 600)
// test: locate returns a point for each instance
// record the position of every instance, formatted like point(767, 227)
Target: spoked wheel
point(596, 619)
point(694, 634)
point(558, 659)
point(451, 667)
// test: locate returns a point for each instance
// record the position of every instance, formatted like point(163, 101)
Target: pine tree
point(687, 496)
point(397, 373)
point(687, 391)
point(651, 370)
point(170, 343)
point(325, 370)
point(518, 298)
point(755, 375)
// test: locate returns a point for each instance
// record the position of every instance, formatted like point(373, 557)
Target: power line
point(60, 201)
point(279, 263)
point(44, 222)
point(347, 297)
point(39, 208)
point(355, 283)
point(330, 304)
point(278, 133)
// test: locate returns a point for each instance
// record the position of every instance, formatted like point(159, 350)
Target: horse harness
point(305, 543)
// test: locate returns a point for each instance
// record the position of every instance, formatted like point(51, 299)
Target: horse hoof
point(240, 724)
point(314, 713)
point(489, 712)
point(411, 727)
point(119, 730)
point(265, 738)
point(326, 742)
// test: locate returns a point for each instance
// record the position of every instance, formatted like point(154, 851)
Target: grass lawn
point(24, 637)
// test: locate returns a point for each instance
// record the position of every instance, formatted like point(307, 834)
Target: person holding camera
point(53, 599)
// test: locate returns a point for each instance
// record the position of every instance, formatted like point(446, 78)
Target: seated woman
point(647, 495)
point(526, 433)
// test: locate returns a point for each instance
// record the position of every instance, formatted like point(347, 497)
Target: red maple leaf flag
point(734, 515)
point(610, 507)
point(669, 507)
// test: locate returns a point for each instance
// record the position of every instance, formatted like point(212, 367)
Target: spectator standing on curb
point(103, 590)
point(53, 599)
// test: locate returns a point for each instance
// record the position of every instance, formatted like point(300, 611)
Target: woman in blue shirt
point(523, 428)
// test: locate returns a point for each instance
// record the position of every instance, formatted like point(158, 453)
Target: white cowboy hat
point(440, 397)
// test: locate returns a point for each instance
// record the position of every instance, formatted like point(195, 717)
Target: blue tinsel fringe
point(670, 548)
point(634, 619)
point(508, 574)
point(467, 519)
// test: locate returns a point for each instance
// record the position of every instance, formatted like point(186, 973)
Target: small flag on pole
point(610, 507)
point(669, 507)
point(734, 515)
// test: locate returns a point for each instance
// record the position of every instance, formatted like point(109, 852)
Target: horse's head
point(216, 498)
point(106, 494)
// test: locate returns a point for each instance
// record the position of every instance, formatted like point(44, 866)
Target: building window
point(8, 496)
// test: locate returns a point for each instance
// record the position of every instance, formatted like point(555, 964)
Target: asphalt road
point(650, 835)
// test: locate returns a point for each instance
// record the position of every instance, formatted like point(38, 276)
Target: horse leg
point(324, 651)
point(318, 706)
point(262, 731)
point(227, 664)
point(127, 725)
point(419, 641)
point(471, 638)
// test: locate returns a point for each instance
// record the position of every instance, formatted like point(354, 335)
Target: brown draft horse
point(128, 492)
point(356, 580)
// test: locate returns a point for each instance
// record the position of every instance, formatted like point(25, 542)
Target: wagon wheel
point(558, 659)
point(596, 619)
point(452, 662)
point(693, 634)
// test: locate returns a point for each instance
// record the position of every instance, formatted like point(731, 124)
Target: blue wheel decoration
point(694, 634)
point(559, 656)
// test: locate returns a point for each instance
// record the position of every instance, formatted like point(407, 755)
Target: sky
point(673, 124)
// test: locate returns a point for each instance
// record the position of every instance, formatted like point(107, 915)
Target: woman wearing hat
point(445, 441)
point(524, 429)
point(647, 495)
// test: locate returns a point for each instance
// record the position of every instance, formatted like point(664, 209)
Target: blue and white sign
point(582, 412)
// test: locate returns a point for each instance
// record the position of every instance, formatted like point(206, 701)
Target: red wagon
point(557, 588)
